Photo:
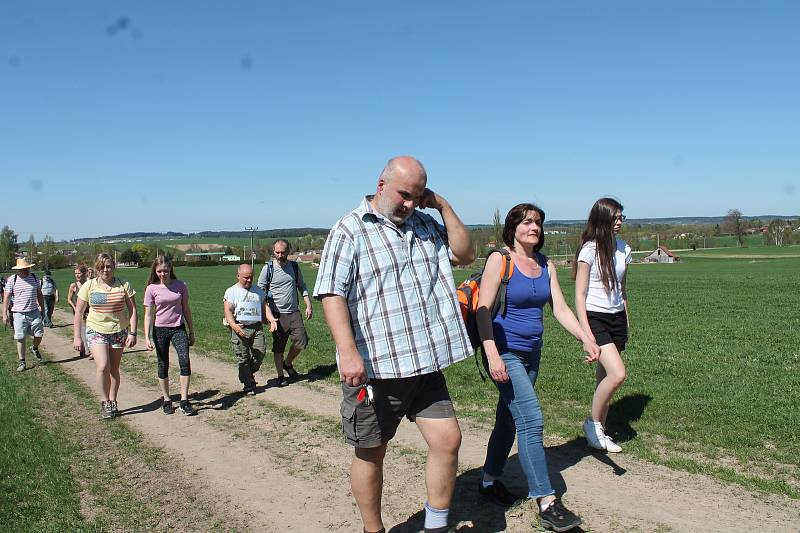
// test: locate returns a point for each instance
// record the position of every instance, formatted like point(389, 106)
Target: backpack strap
point(270, 268)
point(501, 303)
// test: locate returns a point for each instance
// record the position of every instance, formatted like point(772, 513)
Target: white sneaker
point(610, 445)
point(594, 434)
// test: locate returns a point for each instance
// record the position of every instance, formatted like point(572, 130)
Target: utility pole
point(252, 250)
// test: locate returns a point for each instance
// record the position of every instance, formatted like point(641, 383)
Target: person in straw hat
point(24, 288)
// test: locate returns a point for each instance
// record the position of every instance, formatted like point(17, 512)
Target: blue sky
point(193, 115)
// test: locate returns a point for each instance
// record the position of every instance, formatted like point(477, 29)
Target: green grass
point(713, 364)
point(37, 490)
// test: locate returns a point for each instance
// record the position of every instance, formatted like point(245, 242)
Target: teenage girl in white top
point(601, 306)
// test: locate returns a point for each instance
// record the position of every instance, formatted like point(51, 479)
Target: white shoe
point(594, 434)
point(610, 445)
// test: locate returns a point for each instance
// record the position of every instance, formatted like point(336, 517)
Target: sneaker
point(186, 408)
point(497, 493)
point(35, 351)
point(281, 382)
point(290, 371)
point(611, 446)
point(594, 434)
point(21, 367)
point(249, 389)
point(559, 518)
point(105, 409)
point(166, 406)
point(114, 409)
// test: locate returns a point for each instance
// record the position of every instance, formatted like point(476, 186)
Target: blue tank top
point(521, 327)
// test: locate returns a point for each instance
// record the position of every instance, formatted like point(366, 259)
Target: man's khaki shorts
point(290, 326)
point(369, 426)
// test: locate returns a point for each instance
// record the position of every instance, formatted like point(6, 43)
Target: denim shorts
point(114, 340)
point(28, 323)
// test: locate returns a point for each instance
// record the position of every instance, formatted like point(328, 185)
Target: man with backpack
point(28, 303)
point(281, 279)
point(50, 293)
point(386, 284)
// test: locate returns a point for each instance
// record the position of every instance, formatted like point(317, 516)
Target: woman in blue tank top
point(512, 341)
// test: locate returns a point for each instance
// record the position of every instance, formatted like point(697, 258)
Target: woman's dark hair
point(600, 229)
point(157, 262)
point(517, 215)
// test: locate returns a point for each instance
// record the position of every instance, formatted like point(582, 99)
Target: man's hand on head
point(431, 200)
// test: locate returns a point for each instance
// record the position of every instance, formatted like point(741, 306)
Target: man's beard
point(385, 209)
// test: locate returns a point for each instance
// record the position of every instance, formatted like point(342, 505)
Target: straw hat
point(22, 263)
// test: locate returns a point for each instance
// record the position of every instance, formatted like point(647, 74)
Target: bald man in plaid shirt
point(386, 285)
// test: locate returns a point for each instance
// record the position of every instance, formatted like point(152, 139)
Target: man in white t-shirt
point(245, 310)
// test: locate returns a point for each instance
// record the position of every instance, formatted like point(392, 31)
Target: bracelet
point(132, 334)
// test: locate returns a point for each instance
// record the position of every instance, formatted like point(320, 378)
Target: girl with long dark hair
point(512, 341)
point(601, 303)
point(166, 302)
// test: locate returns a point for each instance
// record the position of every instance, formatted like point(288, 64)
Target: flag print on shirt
point(107, 302)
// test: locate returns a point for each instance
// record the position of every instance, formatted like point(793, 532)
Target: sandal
point(292, 373)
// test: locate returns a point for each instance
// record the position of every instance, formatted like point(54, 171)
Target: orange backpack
point(468, 292)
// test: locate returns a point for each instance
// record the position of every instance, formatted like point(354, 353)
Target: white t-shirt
point(597, 299)
point(246, 303)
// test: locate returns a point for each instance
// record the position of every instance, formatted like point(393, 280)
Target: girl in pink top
point(166, 302)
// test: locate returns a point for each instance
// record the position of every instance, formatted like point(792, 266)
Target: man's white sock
point(435, 517)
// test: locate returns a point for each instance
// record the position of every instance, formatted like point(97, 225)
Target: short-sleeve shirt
point(398, 284)
point(247, 303)
point(597, 299)
point(283, 286)
point(48, 285)
point(108, 312)
point(169, 302)
point(25, 291)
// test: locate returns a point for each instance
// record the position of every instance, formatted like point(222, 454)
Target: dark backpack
point(468, 292)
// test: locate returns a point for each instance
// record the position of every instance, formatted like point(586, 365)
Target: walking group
point(386, 285)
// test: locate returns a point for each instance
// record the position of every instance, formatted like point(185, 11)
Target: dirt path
point(245, 450)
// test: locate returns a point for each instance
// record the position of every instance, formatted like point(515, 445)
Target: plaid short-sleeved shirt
point(398, 283)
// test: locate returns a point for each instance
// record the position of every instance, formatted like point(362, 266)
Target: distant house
point(204, 256)
point(231, 258)
point(306, 258)
point(662, 254)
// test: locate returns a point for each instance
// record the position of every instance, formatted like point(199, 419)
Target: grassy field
point(713, 364)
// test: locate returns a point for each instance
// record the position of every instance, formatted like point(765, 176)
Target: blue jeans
point(518, 411)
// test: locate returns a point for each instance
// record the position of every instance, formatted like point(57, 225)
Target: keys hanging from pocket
point(365, 394)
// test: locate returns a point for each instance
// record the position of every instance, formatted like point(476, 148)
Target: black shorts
point(608, 328)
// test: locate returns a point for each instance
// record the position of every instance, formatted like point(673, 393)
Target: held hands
point(351, 369)
point(77, 344)
point(592, 350)
point(148, 343)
